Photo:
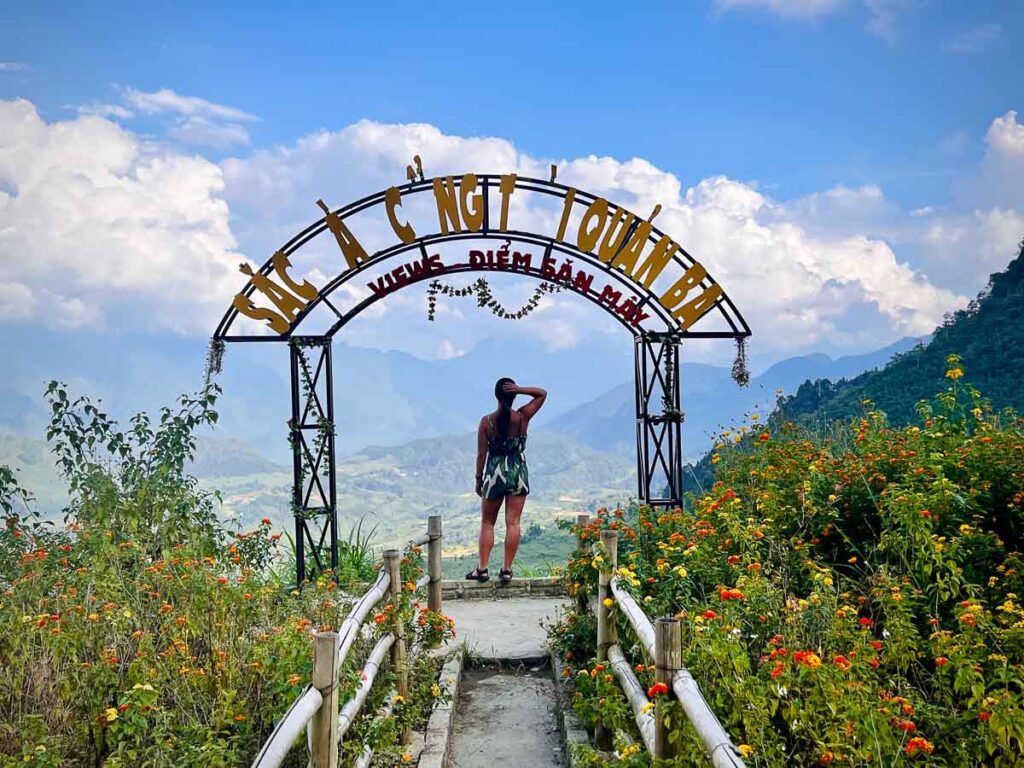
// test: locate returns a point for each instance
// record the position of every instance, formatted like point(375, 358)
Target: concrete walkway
point(508, 629)
point(506, 719)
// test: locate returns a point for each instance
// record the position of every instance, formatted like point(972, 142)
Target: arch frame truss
point(657, 339)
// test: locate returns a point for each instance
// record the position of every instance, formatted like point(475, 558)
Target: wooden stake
point(324, 725)
point(668, 659)
point(393, 565)
point(434, 563)
point(606, 634)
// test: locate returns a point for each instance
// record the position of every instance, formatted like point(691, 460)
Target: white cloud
point(167, 101)
point(13, 66)
point(1006, 136)
point(97, 223)
point(789, 9)
point(105, 110)
point(976, 39)
point(199, 131)
point(881, 14)
point(797, 289)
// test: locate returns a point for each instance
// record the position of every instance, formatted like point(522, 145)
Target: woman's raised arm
point(539, 396)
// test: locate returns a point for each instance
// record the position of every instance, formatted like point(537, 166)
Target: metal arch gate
point(659, 444)
point(658, 415)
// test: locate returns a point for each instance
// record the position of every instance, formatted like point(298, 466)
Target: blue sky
point(801, 103)
point(870, 144)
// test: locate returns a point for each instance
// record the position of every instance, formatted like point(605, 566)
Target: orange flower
point(983, 716)
point(826, 758)
point(166, 608)
point(919, 744)
point(941, 661)
point(239, 718)
point(293, 679)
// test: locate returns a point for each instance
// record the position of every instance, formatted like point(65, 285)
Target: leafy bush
point(849, 600)
point(143, 632)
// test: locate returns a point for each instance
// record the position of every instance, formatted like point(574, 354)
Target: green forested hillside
point(988, 335)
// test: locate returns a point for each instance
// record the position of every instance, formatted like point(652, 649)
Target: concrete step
point(452, 589)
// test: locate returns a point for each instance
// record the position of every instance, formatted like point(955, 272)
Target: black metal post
point(659, 418)
point(314, 503)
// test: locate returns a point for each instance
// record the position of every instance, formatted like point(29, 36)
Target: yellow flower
point(608, 602)
point(406, 757)
point(954, 373)
point(647, 707)
point(142, 687)
point(745, 750)
point(398, 699)
point(435, 690)
point(715, 458)
point(680, 571)
point(110, 714)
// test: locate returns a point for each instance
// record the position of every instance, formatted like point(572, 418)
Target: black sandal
point(505, 574)
point(478, 574)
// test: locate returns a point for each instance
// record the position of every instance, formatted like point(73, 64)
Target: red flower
point(658, 689)
point(763, 437)
point(778, 670)
point(866, 622)
point(709, 615)
point(941, 661)
point(876, 644)
point(842, 662)
point(906, 725)
point(983, 716)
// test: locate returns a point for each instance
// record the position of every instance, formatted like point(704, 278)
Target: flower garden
point(850, 598)
point(143, 632)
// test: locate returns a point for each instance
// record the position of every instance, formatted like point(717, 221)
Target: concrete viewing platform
point(511, 629)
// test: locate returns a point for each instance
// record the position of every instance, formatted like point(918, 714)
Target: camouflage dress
point(505, 472)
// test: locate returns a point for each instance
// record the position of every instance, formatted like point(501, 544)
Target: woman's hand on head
point(510, 388)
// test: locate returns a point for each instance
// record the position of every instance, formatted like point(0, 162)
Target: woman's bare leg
point(488, 517)
point(513, 511)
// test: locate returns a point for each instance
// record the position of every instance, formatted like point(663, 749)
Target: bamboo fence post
point(584, 550)
point(606, 634)
point(668, 659)
point(324, 725)
point(393, 564)
point(434, 563)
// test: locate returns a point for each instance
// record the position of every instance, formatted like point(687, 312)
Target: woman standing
point(501, 471)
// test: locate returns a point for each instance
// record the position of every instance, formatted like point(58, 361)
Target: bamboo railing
point(662, 645)
point(317, 708)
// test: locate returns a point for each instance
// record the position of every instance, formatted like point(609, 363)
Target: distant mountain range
point(710, 399)
point(388, 398)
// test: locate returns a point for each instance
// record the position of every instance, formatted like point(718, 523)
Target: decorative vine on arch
point(602, 252)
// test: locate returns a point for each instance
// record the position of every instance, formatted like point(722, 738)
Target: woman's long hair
point(504, 406)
